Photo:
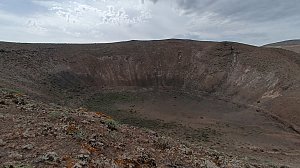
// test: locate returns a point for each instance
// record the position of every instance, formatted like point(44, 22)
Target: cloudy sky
point(87, 21)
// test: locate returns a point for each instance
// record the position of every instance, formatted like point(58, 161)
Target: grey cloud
point(254, 10)
point(253, 21)
point(154, 1)
point(248, 21)
point(21, 7)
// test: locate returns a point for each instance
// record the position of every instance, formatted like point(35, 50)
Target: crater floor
point(209, 121)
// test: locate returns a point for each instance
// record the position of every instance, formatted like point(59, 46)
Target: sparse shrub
point(271, 164)
point(112, 124)
point(57, 115)
point(105, 101)
point(11, 91)
point(163, 143)
point(18, 166)
point(79, 134)
point(76, 132)
point(49, 157)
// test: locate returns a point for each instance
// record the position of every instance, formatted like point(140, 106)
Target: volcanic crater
point(233, 97)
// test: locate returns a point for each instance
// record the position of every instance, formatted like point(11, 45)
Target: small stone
point(2, 143)
point(2, 102)
point(84, 151)
point(83, 157)
point(188, 151)
point(2, 154)
point(10, 164)
point(27, 147)
point(2, 116)
point(85, 122)
point(83, 160)
point(15, 156)
point(77, 165)
point(49, 157)
point(210, 164)
point(26, 134)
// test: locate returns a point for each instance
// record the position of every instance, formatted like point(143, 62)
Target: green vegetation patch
point(11, 91)
point(112, 124)
point(18, 166)
point(105, 101)
point(53, 115)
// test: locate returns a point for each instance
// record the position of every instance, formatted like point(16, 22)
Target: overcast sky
point(87, 21)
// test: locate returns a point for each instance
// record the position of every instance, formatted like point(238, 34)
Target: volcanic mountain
point(238, 98)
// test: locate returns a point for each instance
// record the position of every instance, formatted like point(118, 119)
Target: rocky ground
point(35, 134)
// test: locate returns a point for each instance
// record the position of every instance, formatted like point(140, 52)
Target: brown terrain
point(169, 103)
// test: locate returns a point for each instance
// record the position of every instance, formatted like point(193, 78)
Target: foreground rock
point(35, 134)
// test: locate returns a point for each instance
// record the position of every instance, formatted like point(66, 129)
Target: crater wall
point(256, 76)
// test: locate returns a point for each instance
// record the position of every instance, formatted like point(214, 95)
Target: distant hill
point(292, 45)
point(285, 43)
